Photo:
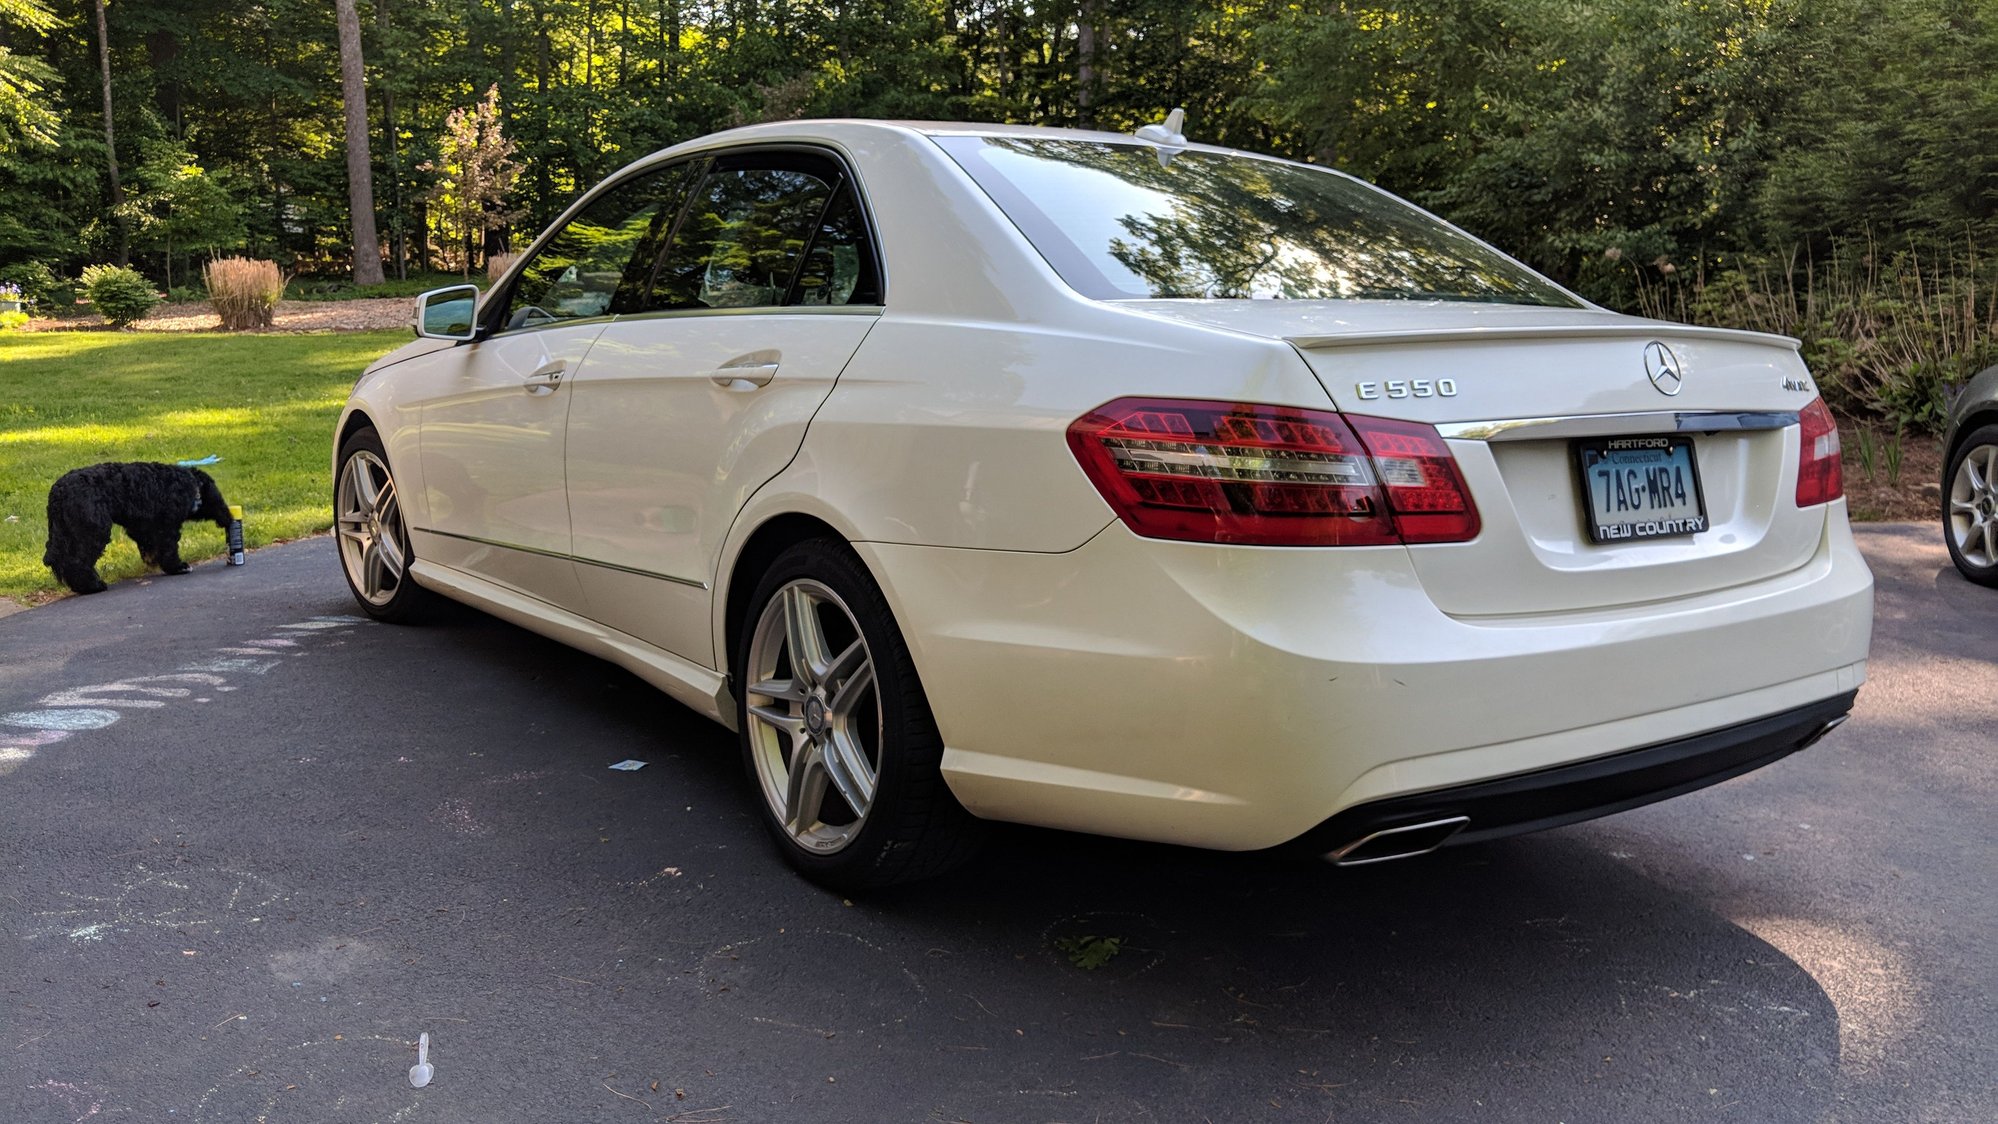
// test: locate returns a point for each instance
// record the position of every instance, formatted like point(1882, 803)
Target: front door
point(493, 435)
point(685, 409)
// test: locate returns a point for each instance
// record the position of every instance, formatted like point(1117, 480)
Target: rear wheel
point(367, 524)
point(1970, 506)
point(836, 734)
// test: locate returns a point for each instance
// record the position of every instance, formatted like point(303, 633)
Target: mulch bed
point(1912, 495)
point(373, 314)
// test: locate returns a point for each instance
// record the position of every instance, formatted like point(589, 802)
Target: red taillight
point(1819, 477)
point(1272, 475)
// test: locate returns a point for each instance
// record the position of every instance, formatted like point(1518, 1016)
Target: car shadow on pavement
point(1065, 977)
point(416, 830)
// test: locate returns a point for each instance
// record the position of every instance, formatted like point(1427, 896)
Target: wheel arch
point(1971, 423)
point(773, 536)
point(357, 419)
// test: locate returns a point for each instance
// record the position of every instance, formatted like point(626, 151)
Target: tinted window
point(602, 261)
point(839, 266)
point(1115, 222)
point(749, 228)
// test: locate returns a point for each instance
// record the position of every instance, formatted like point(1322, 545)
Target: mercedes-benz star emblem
point(1663, 368)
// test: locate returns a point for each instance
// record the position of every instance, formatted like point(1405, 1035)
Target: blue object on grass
point(209, 459)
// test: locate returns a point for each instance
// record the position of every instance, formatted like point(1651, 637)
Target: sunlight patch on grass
point(265, 404)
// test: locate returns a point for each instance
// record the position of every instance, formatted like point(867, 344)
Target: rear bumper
point(1572, 793)
point(1237, 698)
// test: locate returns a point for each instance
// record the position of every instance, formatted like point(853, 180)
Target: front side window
point(601, 262)
point(769, 230)
point(1117, 223)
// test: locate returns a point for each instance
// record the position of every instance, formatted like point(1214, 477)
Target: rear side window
point(1116, 222)
point(769, 230)
point(599, 262)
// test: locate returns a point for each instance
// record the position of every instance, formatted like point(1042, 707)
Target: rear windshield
point(1116, 223)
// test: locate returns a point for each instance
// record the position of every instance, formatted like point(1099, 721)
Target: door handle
point(547, 378)
point(755, 374)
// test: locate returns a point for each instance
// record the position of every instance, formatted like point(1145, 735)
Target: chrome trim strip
point(1635, 331)
point(562, 556)
point(1611, 425)
point(757, 310)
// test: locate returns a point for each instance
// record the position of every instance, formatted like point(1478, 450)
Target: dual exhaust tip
point(1410, 840)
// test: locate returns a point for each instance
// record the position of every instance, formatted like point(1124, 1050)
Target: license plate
point(1640, 488)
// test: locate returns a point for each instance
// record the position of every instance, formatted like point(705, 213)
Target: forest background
point(1823, 168)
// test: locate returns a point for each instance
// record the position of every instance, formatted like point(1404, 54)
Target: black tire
point(913, 828)
point(406, 601)
point(1980, 441)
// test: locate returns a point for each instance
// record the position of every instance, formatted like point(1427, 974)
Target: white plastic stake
point(420, 1073)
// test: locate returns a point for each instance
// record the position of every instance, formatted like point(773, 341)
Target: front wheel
point(837, 736)
point(1970, 506)
point(367, 524)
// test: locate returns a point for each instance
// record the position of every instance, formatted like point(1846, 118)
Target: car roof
point(831, 127)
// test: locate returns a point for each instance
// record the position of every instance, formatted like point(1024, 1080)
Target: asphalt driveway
point(251, 846)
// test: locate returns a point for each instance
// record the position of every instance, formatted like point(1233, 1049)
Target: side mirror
point(448, 313)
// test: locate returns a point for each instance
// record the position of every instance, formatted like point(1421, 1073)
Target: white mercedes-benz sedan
point(1116, 484)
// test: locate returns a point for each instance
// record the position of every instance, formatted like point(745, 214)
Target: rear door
point(1529, 414)
point(687, 406)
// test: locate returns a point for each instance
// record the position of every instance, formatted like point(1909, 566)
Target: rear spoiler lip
point(1476, 334)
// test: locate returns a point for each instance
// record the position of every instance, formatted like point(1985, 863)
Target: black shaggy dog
point(148, 499)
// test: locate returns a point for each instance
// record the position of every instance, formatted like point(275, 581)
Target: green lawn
point(265, 404)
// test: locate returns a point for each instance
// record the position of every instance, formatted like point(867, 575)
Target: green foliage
point(39, 283)
point(26, 119)
point(343, 288)
point(173, 202)
point(1890, 335)
point(118, 294)
point(12, 319)
point(1089, 952)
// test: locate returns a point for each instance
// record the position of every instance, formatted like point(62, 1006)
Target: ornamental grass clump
point(244, 291)
point(118, 294)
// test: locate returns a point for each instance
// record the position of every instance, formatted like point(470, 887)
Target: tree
point(476, 171)
point(111, 135)
point(24, 119)
point(360, 183)
point(176, 204)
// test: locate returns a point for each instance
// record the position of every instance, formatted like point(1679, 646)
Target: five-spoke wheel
point(814, 715)
point(836, 733)
point(367, 520)
point(1970, 506)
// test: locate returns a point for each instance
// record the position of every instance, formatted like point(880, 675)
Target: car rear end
point(1519, 562)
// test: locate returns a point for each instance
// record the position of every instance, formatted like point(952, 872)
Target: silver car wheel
point(368, 519)
point(814, 716)
point(1973, 506)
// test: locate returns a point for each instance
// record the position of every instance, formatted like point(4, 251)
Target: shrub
point(1886, 335)
point(10, 320)
point(244, 291)
point(118, 294)
point(497, 264)
point(40, 284)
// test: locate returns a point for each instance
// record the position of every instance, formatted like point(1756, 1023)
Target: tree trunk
point(398, 236)
point(111, 138)
point(1085, 65)
point(360, 173)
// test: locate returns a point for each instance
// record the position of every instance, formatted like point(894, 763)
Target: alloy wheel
point(814, 716)
point(373, 545)
point(1973, 506)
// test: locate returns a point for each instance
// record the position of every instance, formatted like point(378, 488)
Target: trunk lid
point(1515, 390)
